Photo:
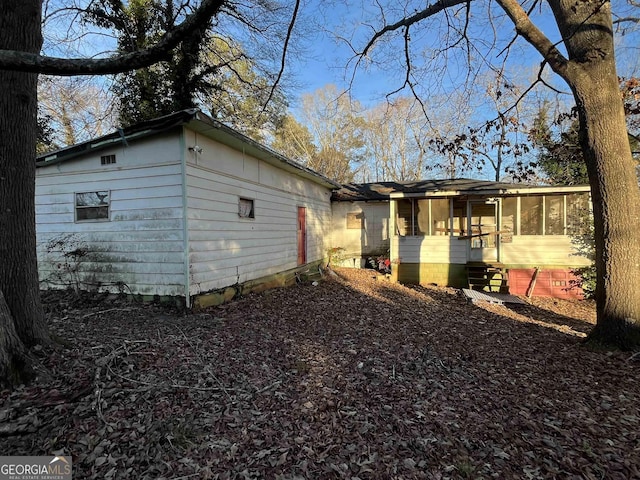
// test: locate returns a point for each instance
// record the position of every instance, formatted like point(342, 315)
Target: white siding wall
point(142, 244)
point(224, 248)
point(428, 249)
point(372, 239)
point(556, 250)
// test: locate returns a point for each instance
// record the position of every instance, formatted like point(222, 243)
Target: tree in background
point(396, 136)
point(448, 119)
point(46, 133)
point(500, 145)
point(294, 140)
point(336, 125)
point(147, 92)
point(560, 157)
point(76, 109)
point(238, 91)
point(207, 70)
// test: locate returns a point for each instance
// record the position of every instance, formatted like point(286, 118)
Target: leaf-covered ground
point(353, 378)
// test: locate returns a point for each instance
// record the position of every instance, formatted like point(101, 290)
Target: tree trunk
point(19, 30)
point(591, 73)
point(14, 363)
point(616, 202)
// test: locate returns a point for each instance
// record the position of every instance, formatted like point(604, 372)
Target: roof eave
point(120, 136)
point(195, 120)
point(501, 192)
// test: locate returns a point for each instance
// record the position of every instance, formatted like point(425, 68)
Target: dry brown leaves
point(353, 378)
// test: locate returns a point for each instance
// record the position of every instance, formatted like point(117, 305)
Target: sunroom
point(501, 235)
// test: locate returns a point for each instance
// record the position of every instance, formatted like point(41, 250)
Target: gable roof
point(195, 120)
point(380, 191)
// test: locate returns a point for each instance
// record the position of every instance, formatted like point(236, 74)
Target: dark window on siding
point(107, 159)
point(92, 206)
point(245, 208)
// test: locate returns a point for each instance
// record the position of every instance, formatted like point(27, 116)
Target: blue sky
point(327, 58)
point(331, 61)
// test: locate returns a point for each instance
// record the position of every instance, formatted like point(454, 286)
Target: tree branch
point(28, 62)
point(532, 34)
point(284, 54)
point(431, 10)
point(626, 20)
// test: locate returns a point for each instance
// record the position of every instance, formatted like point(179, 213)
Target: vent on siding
point(107, 159)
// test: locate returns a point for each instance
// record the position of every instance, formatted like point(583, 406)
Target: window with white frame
point(246, 208)
point(92, 206)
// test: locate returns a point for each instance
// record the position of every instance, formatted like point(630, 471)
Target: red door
point(302, 235)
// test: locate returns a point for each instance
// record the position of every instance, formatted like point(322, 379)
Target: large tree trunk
point(588, 32)
point(19, 30)
point(616, 203)
point(14, 363)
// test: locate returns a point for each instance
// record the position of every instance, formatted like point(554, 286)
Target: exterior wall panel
point(428, 249)
point(225, 249)
point(140, 248)
point(539, 250)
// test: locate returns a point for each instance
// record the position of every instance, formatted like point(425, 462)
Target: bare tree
point(396, 134)
point(500, 144)
point(294, 140)
point(77, 108)
point(584, 59)
point(336, 124)
point(448, 131)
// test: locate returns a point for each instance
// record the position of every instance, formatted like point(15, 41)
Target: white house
point(178, 206)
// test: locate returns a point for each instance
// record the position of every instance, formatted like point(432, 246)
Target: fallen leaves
point(351, 378)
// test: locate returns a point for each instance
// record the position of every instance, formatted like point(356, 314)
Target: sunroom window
point(420, 217)
point(554, 215)
point(531, 215)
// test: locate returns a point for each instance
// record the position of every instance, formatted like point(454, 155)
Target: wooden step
point(488, 278)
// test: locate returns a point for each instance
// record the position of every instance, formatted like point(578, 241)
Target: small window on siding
point(92, 206)
point(355, 221)
point(107, 159)
point(245, 208)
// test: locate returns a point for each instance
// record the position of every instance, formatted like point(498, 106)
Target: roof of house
point(195, 120)
point(446, 187)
